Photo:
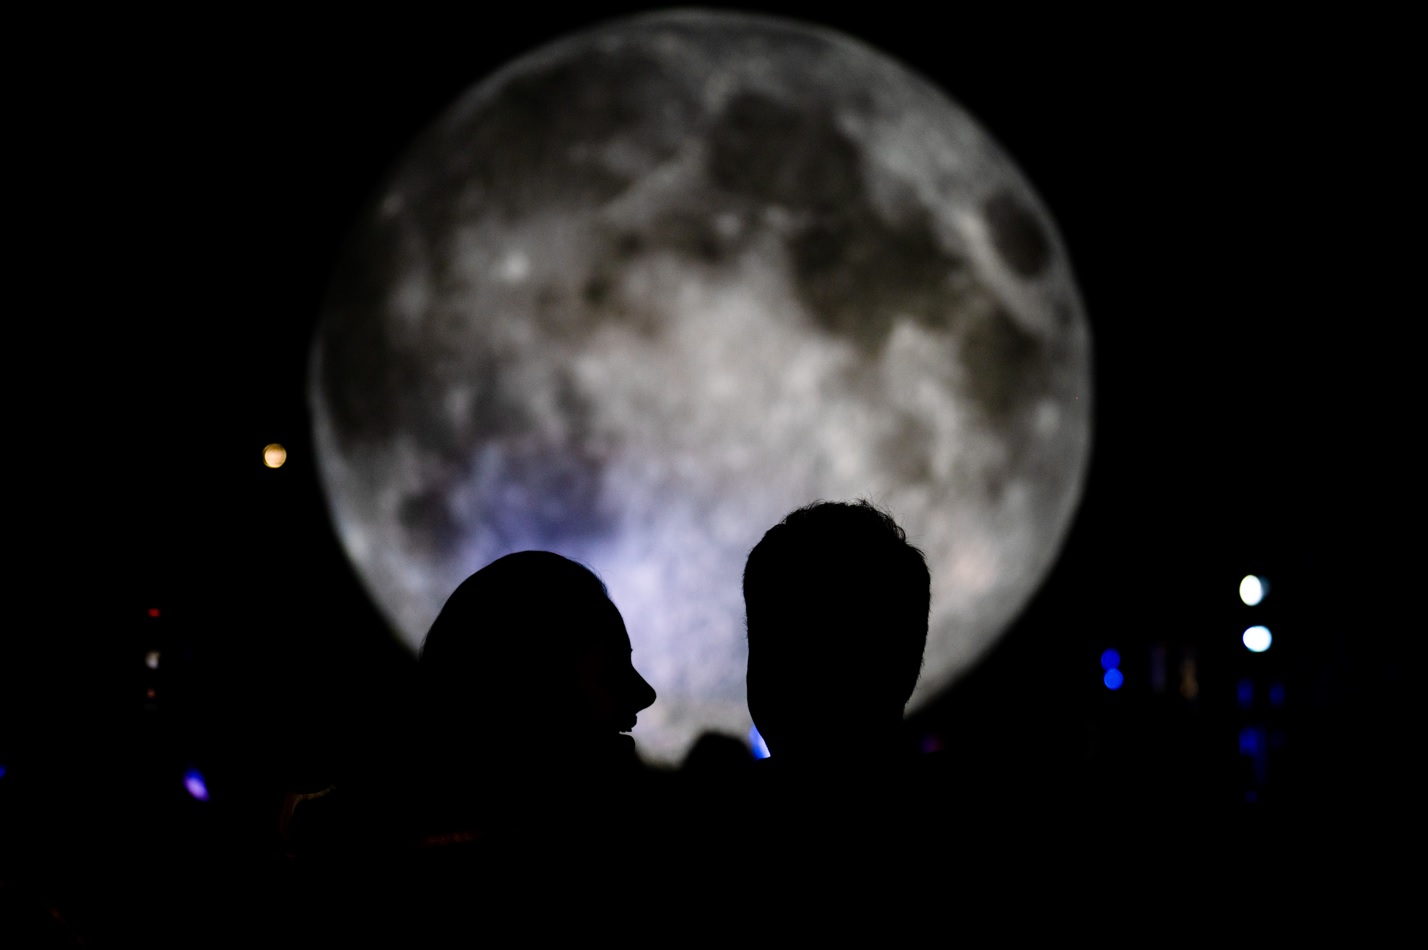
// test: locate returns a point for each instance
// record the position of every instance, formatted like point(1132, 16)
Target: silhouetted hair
point(837, 603)
point(510, 628)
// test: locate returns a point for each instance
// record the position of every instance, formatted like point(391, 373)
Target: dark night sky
point(1227, 191)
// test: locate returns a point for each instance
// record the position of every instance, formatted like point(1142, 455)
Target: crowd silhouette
point(508, 798)
point(519, 770)
point(507, 801)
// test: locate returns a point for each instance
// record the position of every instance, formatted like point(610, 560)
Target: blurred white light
point(274, 455)
point(151, 659)
point(1253, 589)
point(1257, 639)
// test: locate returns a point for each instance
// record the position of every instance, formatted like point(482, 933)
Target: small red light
point(153, 611)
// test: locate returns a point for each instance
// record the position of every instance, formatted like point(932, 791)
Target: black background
point(1231, 190)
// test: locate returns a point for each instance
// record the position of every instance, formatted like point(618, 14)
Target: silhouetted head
point(529, 653)
point(837, 604)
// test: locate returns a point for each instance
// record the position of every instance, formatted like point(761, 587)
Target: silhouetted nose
point(643, 694)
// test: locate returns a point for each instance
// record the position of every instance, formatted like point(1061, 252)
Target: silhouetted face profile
point(530, 655)
point(837, 604)
point(609, 691)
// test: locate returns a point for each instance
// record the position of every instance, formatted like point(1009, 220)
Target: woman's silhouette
point(516, 774)
point(529, 665)
point(525, 691)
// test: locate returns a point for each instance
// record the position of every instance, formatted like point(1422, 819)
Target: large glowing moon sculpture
point(647, 289)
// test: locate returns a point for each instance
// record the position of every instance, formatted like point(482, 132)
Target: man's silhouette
point(837, 604)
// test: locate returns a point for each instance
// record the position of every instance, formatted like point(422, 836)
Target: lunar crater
point(796, 158)
point(1017, 234)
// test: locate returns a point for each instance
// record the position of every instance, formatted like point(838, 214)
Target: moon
point(647, 289)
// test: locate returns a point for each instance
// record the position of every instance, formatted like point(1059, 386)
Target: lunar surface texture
point(645, 290)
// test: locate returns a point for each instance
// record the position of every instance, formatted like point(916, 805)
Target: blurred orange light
point(1189, 680)
point(274, 455)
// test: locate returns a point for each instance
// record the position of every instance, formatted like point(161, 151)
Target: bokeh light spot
point(1253, 589)
point(274, 455)
point(1110, 660)
point(1244, 694)
point(193, 783)
point(1113, 679)
point(1257, 639)
point(151, 659)
point(1189, 679)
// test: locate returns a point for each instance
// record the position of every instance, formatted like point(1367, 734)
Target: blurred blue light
point(1110, 660)
point(1244, 693)
point(1276, 694)
point(1257, 639)
point(193, 783)
point(1113, 679)
point(1251, 741)
point(756, 742)
point(2, 769)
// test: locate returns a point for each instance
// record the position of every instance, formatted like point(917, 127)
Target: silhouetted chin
point(622, 752)
point(621, 744)
point(614, 748)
